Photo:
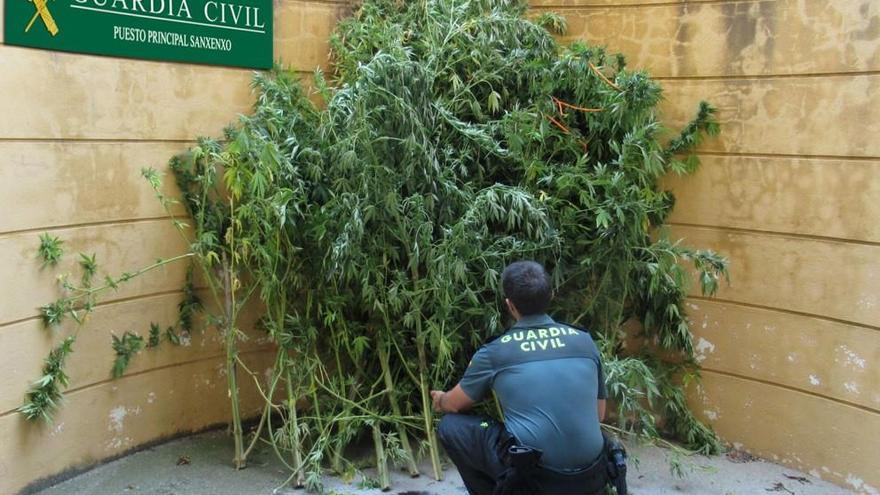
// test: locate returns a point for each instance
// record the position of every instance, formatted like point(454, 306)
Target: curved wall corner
point(75, 130)
point(790, 191)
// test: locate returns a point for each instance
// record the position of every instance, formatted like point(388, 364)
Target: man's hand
point(453, 401)
point(437, 398)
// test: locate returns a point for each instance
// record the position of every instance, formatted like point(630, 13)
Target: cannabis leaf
point(126, 347)
point(50, 250)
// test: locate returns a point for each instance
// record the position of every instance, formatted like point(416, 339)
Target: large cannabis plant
point(491, 100)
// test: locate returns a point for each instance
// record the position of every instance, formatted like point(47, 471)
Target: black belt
point(524, 474)
point(591, 479)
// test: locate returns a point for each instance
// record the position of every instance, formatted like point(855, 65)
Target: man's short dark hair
point(527, 285)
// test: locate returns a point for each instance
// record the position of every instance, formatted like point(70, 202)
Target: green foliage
point(78, 301)
point(89, 268)
point(155, 335)
point(44, 396)
point(125, 348)
point(53, 314)
point(449, 97)
point(247, 196)
point(50, 250)
point(172, 336)
point(703, 124)
point(190, 305)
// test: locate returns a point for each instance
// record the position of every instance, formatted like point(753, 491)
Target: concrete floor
point(160, 471)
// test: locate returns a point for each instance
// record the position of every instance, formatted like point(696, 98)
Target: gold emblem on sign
point(44, 14)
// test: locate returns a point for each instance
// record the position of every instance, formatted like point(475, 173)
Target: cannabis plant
point(77, 301)
point(477, 95)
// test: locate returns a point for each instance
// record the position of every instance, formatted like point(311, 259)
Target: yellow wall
point(790, 191)
point(74, 132)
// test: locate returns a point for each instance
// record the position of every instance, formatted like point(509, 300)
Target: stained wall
point(75, 130)
point(790, 191)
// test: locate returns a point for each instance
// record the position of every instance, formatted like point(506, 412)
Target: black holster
point(521, 466)
point(615, 456)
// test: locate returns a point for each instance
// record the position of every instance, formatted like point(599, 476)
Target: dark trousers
point(474, 444)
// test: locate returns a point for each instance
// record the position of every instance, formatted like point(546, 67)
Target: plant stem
point(293, 431)
point(381, 460)
point(427, 412)
point(263, 417)
point(267, 411)
point(90, 291)
point(337, 459)
point(427, 404)
point(411, 466)
point(602, 77)
point(238, 461)
point(656, 441)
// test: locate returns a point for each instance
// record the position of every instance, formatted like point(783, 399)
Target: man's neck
point(533, 320)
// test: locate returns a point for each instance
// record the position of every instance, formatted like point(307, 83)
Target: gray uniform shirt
point(548, 378)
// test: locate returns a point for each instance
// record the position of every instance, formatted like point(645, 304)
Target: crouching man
point(548, 378)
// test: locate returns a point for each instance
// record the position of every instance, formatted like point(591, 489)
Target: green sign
point(218, 32)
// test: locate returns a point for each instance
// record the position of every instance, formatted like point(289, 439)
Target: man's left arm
point(474, 385)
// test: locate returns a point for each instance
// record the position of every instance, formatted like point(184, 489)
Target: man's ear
point(511, 307)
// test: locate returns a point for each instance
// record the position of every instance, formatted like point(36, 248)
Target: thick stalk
point(427, 403)
point(315, 403)
point(381, 460)
point(293, 430)
point(427, 411)
point(293, 425)
point(411, 466)
point(238, 461)
point(337, 460)
point(314, 372)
